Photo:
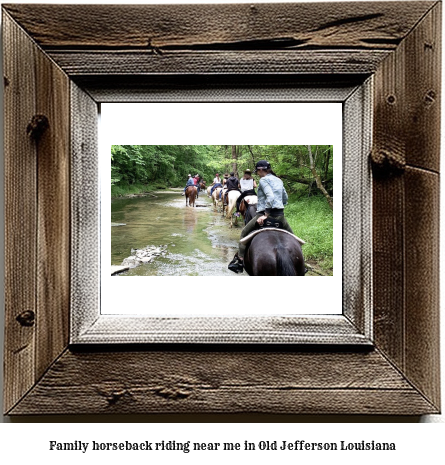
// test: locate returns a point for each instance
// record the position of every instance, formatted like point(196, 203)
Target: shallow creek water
point(199, 241)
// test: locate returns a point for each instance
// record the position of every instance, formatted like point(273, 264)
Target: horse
point(190, 196)
point(202, 185)
point(209, 190)
point(232, 197)
point(248, 207)
point(215, 197)
point(274, 252)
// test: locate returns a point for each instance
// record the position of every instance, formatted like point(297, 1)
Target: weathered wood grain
point(258, 26)
point(219, 88)
point(78, 62)
point(53, 225)
point(423, 91)
point(400, 376)
point(388, 268)
point(406, 205)
point(20, 213)
point(112, 329)
point(85, 209)
point(422, 364)
point(357, 215)
point(248, 382)
point(389, 157)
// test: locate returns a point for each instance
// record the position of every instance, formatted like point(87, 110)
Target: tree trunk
point(235, 160)
point(253, 157)
point(318, 180)
point(328, 156)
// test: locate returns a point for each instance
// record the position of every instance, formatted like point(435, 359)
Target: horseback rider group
point(272, 198)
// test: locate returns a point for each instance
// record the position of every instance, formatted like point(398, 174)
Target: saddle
point(271, 223)
point(246, 240)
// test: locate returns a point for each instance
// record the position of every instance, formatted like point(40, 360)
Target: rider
point(247, 185)
point(232, 184)
point(216, 183)
point(196, 181)
point(190, 182)
point(224, 185)
point(272, 197)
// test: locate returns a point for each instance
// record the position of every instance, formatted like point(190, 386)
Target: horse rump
point(190, 194)
point(285, 265)
point(273, 253)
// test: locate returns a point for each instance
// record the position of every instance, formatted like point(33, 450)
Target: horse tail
point(285, 265)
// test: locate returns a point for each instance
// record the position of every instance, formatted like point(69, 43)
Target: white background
point(26, 443)
point(207, 124)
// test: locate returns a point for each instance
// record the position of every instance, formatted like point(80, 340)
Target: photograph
point(215, 210)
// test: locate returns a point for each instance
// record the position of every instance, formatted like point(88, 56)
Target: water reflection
point(199, 241)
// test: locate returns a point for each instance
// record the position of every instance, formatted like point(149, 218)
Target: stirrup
point(235, 265)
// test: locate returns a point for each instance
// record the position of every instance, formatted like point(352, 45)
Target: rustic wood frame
point(67, 58)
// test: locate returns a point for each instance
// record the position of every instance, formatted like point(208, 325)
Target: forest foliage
point(145, 167)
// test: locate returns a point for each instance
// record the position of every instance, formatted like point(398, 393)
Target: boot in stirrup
point(236, 265)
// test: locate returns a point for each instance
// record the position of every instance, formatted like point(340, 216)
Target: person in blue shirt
point(190, 182)
point(272, 197)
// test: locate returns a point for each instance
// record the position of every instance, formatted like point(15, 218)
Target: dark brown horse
point(202, 185)
point(190, 195)
point(247, 210)
point(274, 253)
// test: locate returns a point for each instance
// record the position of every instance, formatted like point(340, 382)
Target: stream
point(199, 241)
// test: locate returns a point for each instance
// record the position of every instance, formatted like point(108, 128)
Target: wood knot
point(427, 46)
point(391, 99)
point(387, 163)
point(113, 395)
point(26, 318)
point(173, 393)
point(37, 126)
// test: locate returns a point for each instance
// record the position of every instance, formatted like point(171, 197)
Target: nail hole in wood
point(391, 99)
point(430, 97)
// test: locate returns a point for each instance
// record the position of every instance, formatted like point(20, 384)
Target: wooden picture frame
point(76, 56)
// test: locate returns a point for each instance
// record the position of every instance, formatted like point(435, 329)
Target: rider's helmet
point(262, 165)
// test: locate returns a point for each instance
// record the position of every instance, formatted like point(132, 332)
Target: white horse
point(215, 198)
point(232, 198)
point(208, 190)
